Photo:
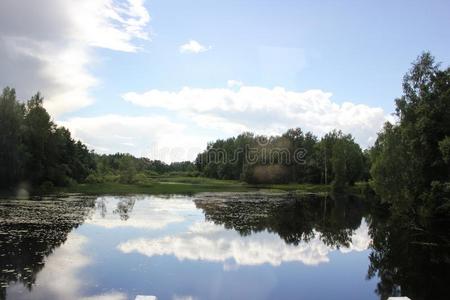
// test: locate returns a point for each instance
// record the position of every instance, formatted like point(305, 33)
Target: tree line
point(409, 163)
point(294, 156)
point(408, 166)
point(411, 159)
point(127, 169)
point(38, 152)
point(34, 151)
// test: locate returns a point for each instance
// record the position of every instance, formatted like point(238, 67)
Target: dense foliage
point(409, 163)
point(294, 156)
point(38, 154)
point(34, 150)
point(410, 160)
point(125, 168)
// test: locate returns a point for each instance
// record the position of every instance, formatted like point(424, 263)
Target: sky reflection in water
point(221, 246)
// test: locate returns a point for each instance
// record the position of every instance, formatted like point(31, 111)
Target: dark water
point(216, 246)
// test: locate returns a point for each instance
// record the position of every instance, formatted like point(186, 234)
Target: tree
point(444, 147)
point(292, 157)
point(33, 149)
point(127, 169)
point(340, 159)
point(408, 157)
point(38, 129)
point(11, 121)
point(339, 164)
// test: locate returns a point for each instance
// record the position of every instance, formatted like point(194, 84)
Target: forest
point(42, 154)
point(294, 156)
point(408, 164)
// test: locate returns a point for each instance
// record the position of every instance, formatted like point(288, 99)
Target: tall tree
point(407, 157)
point(11, 121)
point(33, 149)
point(37, 132)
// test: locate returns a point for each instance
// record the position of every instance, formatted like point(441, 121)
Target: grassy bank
point(187, 185)
point(153, 188)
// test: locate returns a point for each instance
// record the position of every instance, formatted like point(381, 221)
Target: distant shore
point(193, 185)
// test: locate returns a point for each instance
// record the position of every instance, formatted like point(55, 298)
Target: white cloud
point(210, 242)
point(266, 111)
point(60, 278)
point(143, 136)
point(146, 212)
point(192, 117)
point(47, 45)
point(145, 297)
point(193, 47)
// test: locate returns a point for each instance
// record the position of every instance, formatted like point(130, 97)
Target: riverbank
point(169, 185)
point(157, 187)
point(192, 185)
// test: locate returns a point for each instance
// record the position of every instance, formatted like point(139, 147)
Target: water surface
point(209, 246)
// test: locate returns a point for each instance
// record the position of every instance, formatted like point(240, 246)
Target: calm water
point(209, 246)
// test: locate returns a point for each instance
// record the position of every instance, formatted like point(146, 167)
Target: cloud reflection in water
point(210, 242)
point(153, 213)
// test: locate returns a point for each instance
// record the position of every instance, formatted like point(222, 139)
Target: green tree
point(444, 147)
point(33, 149)
point(11, 120)
point(127, 169)
point(407, 157)
point(37, 131)
point(340, 159)
point(339, 165)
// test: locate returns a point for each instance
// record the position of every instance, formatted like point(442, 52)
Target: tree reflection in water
point(125, 207)
point(410, 258)
point(294, 218)
point(31, 231)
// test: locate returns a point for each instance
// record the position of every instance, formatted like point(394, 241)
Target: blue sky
point(353, 52)
point(357, 51)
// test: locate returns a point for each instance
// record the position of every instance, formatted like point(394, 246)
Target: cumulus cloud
point(60, 278)
point(266, 111)
point(145, 297)
point(145, 212)
point(210, 242)
point(47, 45)
point(143, 136)
point(193, 47)
point(191, 117)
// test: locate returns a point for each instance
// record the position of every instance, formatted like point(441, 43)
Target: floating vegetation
point(31, 229)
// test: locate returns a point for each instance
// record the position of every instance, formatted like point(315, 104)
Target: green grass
point(162, 187)
point(301, 187)
point(197, 180)
point(188, 186)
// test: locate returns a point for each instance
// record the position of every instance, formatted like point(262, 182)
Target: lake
point(213, 246)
